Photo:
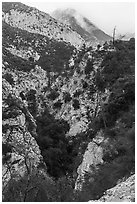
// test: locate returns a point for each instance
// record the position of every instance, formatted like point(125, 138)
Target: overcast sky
point(106, 15)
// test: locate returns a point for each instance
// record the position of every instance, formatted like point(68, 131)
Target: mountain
point(125, 36)
point(67, 111)
point(31, 34)
point(81, 25)
point(34, 21)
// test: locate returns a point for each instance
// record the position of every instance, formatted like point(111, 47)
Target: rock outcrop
point(92, 157)
point(25, 153)
point(122, 192)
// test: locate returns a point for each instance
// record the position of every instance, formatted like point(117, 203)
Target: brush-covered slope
point(23, 50)
point(32, 20)
point(81, 25)
point(63, 107)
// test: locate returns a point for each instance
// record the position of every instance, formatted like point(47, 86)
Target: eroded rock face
point(123, 192)
point(92, 157)
point(24, 154)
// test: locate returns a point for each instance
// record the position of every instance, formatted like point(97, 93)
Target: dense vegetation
point(53, 144)
point(117, 120)
point(51, 61)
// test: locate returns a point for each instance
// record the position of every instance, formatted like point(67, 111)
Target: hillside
point(84, 27)
point(124, 191)
point(68, 120)
point(31, 19)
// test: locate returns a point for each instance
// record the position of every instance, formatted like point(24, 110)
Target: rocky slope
point(122, 192)
point(81, 25)
point(31, 19)
point(68, 113)
point(21, 154)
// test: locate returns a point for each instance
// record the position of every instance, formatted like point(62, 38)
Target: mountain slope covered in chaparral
point(68, 118)
point(32, 20)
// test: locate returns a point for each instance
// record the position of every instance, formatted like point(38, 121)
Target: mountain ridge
point(35, 21)
point(81, 24)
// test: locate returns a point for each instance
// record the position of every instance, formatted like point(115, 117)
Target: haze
point(105, 15)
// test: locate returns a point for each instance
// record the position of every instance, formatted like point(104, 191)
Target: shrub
point(77, 93)
point(30, 188)
point(58, 104)
point(89, 67)
point(32, 101)
point(9, 78)
point(85, 84)
point(67, 97)
point(76, 104)
point(53, 95)
point(53, 144)
point(118, 63)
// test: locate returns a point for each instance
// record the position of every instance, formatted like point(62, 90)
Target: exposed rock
point(35, 21)
point(25, 153)
point(92, 157)
point(90, 32)
point(123, 192)
point(41, 66)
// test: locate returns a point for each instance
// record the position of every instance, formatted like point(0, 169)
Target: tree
point(53, 94)
point(89, 67)
point(114, 33)
point(53, 144)
point(76, 104)
point(67, 97)
point(32, 101)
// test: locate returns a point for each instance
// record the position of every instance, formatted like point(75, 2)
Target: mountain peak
point(83, 26)
point(70, 11)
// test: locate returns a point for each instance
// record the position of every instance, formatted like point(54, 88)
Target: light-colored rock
point(123, 192)
point(25, 154)
point(92, 157)
point(35, 21)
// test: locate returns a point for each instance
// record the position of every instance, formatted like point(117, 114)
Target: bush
point(53, 144)
point(99, 81)
point(9, 78)
point(67, 97)
point(77, 93)
point(58, 104)
point(53, 95)
point(85, 84)
point(65, 188)
point(89, 67)
point(32, 101)
point(36, 189)
point(76, 104)
point(118, 63)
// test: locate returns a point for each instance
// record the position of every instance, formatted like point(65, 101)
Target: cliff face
point(92, 157)
point(21, 153)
